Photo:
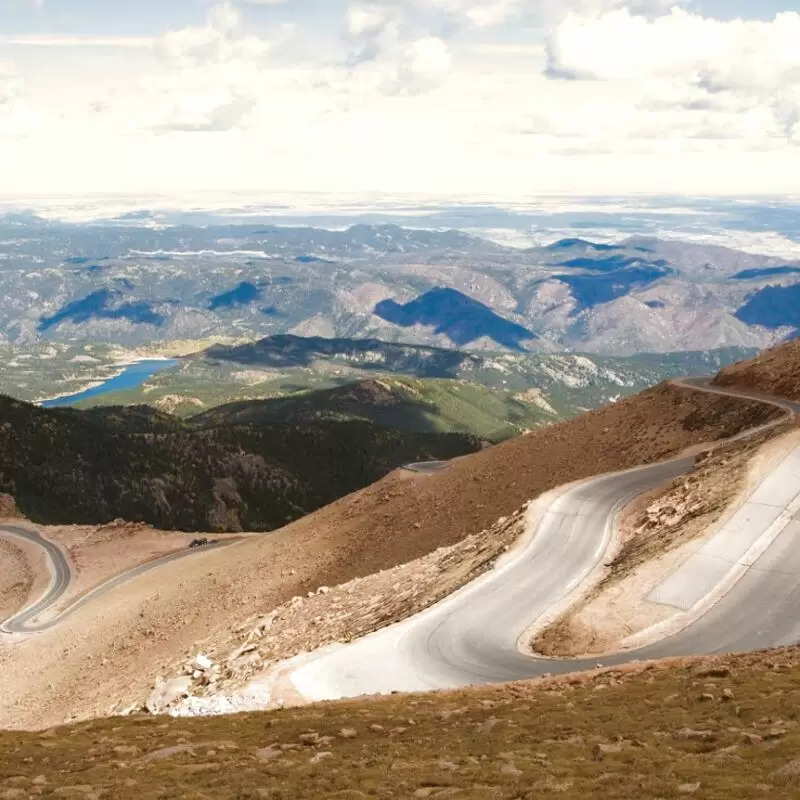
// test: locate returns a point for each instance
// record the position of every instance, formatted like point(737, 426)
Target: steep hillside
point(404, 403)
point(84, 467)
point(149, 627)
point(775, 372)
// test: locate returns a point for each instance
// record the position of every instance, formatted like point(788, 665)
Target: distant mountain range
point(136, 285)
point(559, 384)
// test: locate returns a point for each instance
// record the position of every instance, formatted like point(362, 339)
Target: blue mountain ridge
point(594, 290)
point(313, 260)
point(566, 244)
point(767, 272)
point(611, 263)
point(773, 307)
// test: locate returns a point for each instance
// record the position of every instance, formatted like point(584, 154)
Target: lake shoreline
point(122, 368)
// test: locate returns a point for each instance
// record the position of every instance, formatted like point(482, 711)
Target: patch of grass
point(711, 728)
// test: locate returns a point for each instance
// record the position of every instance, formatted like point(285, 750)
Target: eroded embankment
point(16, 578)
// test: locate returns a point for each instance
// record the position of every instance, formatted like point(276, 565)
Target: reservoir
point(132, 376)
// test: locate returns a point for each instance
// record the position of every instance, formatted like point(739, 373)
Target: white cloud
point(411, 95)
point(707, 70)
point(403, 46)
point(480, 13)
point(215, 74)
point(37, 5)
point(620, 45)
point(9, 84)
point(386, 55)
point(423, 64)
point(17, 116)
point(382, 33)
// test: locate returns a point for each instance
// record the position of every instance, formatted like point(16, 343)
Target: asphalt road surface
point(61, 577)
point(472, 637)
point(426, 467)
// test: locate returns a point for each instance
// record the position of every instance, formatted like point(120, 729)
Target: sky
point(451, 98)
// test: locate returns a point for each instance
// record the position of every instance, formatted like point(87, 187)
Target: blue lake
point(131, 376)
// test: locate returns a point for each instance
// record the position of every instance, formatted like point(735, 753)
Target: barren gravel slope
point(775, 372)
point(16, 579)
point(157, 620)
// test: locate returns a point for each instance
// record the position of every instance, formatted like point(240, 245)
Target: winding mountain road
point(473, 636)
point(61, 577)
point(425, 467)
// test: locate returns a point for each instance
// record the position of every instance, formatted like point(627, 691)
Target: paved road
point(61, 577)
point(472, 636)
point(426, 467)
